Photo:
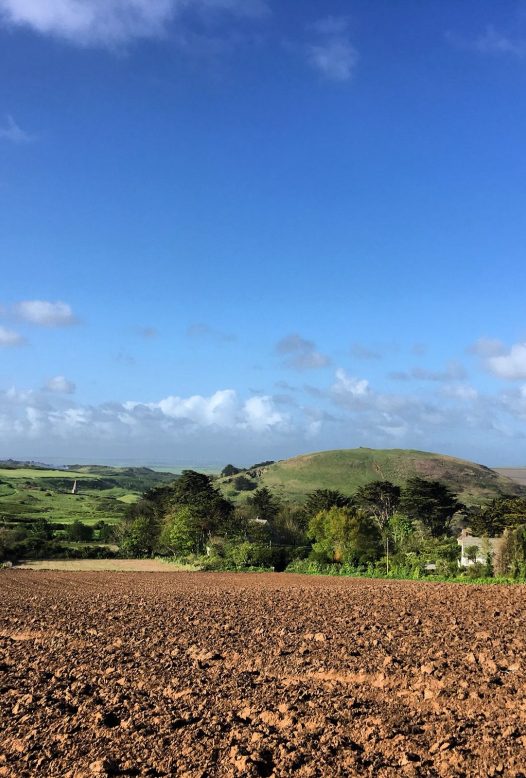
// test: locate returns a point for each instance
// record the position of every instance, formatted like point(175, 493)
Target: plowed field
point(193, 674)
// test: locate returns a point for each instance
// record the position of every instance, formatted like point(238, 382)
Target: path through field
point(190, 674)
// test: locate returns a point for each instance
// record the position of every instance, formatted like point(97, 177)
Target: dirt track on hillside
point(194, 674)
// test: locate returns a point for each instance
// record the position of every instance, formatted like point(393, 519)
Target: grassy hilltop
point(347, 469)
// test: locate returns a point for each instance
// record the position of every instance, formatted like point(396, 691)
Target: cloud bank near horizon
point(348, 412)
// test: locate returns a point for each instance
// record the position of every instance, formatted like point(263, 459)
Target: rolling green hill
point(29, 492)
point(347, 469)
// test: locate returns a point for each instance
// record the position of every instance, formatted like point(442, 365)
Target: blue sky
point(241, 229)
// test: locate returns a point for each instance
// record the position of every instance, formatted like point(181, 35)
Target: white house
point(484, 546)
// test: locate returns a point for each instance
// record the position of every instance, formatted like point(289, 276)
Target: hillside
point(30, 490)
point(347, 469)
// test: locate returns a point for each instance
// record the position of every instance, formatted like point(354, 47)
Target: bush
point(79, 532)
point(244, 484)
point(250, 555)
point(344, 535)
point(230, 470)
point(477, 570)
point(447, 568)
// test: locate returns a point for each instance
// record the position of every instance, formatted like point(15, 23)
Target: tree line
point(41, 539)
point(381, 526)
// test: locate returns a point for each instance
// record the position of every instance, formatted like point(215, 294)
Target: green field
point(348, 469)
point(128, 499)
point(104, 493)
point(37, 473)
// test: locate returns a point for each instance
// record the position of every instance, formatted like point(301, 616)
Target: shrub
point(79, 532)
point(244, 484)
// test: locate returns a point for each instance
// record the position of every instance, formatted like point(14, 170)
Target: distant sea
point(174, 466)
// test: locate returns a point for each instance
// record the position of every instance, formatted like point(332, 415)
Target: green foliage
point(251, 555)
point(258, 531)
point(324, 500)
point(246, 555)
point(429, 549)
point(197, 490)
point(8, 543)
point(140, 531)
point(380, 500)
point(400, 529)
point(184, 532)
point(344, 535)
point(41, 531)
point(471, 553)
point(493, 518)
point(490, 570)
point(244, 484)
point(182, 517)
point(476, 576)
point(79, 532)
point(430, 502)
point(511, 556)
point(476, 570)
point(106, 532)
point(289, 526)
point(230, 470)
point(264, 505)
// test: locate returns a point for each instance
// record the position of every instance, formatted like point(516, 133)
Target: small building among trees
point(475, 550)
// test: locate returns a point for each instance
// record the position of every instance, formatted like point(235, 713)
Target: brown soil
point(193, 674)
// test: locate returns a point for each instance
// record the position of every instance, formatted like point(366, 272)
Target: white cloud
point(332, 53)
point(453, 419)
point(13, 133)
point(90, 21)
point(389, 414)
point(222, 410)
point(260, 414)
point(219, 409)
point(348, 386)
point(16, 396)
point(60, 385)
point(45, 314)
point(510, 365)
point(301, 354)
point(198, 420)
point(10, 338)
point(114, 22)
